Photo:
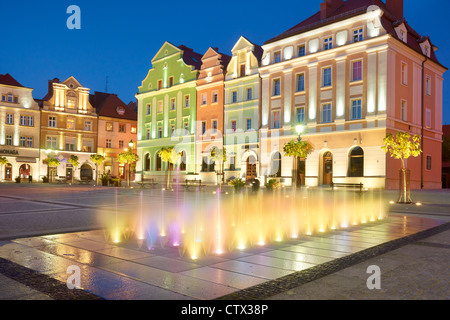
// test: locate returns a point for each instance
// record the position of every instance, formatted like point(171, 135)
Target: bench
point(347, 185)
point(147, 182)
point(61, 179)
point(84, 180)
point(193, 183)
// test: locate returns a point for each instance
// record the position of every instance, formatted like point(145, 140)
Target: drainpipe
point(421, 140)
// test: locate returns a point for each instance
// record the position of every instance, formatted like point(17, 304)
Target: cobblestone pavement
point(410, 249)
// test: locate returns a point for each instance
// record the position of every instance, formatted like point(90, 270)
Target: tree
point(97, 159)
point(298, 149)
point(74, 161)
point(51, 163)
point(3, 162)
point(128, 157)
point(219, 156)
point(171, 156)
point(402, 147)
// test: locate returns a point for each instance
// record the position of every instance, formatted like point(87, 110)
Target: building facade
point(241, 111)
point(167, 111)
point(350, 74)
point(117, 129)
point(19, 131)
point(68, 127)
point(210, 113)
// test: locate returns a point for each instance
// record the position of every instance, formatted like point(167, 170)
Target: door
point(327, 168)
point(69, 173)
point(8, 172)
point(251, 168)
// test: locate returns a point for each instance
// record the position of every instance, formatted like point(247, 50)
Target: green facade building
point(167, 101)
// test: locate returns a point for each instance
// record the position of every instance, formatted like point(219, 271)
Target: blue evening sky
point(118, 39)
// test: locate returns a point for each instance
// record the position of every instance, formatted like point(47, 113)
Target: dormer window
point(120, 110)
point(277, 57)
point(358, 35)
point(328, 43)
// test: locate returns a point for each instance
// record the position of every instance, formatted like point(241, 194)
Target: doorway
point(8, 172)
point(327, 175)
point(25, 171)
point(251, 168)
point(86, 172)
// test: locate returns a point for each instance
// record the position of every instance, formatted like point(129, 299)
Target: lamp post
point(299, 129)
point(131, 145)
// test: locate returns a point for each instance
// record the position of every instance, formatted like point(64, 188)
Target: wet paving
point(128, 270)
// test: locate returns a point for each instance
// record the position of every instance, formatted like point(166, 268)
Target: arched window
point(147, 162)
point(275, 165)
point(158, 162)
point(356, 162)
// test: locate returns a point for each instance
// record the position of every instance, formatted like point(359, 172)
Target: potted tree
point(219, 156)
point(170, 156)
point(3, 162)
point(74, 161)
point(128, 157)
point(402, 147)
point(97, 159)
point(51, 163)
point(298, 149)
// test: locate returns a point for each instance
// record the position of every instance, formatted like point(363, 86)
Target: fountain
point(205, 223)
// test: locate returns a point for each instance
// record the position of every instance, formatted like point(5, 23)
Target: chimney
point(328, 7)
point(395, 7)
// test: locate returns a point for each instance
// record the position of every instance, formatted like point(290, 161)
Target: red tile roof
point(190, 57)
point(7, 79)
point(106, 105)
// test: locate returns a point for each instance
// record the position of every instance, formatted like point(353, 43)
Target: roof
point(107, 104)
point(7, 79)
point(190, 57)
point(351, 8)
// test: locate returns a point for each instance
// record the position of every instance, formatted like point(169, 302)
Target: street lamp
point(130, 144)
point(299, 128)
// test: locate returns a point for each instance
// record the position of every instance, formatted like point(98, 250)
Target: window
point(149, 109)
point(70, 144)
point(22, 141)
point(249, 93)
point(183, 161)
point(358, 35)
point(428, 162)
point(326, 113)
point(158, 162)
point(356, 109)
point(172, 104)
point(23, 120)
point(214, 126)
point(159, 84)
point(71, 102)
point(9, 118)
point(133, 129)
point(233, 125)
point(108, 143)
point(172, 129)
point(328, 43)
point(109, 126)
point(300, 115)
point(326, 77)
point(186, 101)
point(160, 106)
point(234, 96)
point(52, 142)
point(9, 140)
point(404, 111)
point(88, 126)
point(242, 70)
point(404, 73)
point(147, 162)
point(277, 57)
point(203, 127)
point(147, 135)
point(275, 165)
point(30, 121)
point(357, 70)
point(208, 165)
point(29, 142)
point(428, 86)
point(301, 51)
point(87, 146)
point(70, 124)
point(159, 132)
point(300, 82)
point(249, 124)
point(276, 87)
point(214, 97)
point(276, 120)
point(121, 144)
point(203, 99)
point(428, 118)
point(356, 163)
point(52, 122)
point(170, 82)
point(402, 35)
point(186, 126)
